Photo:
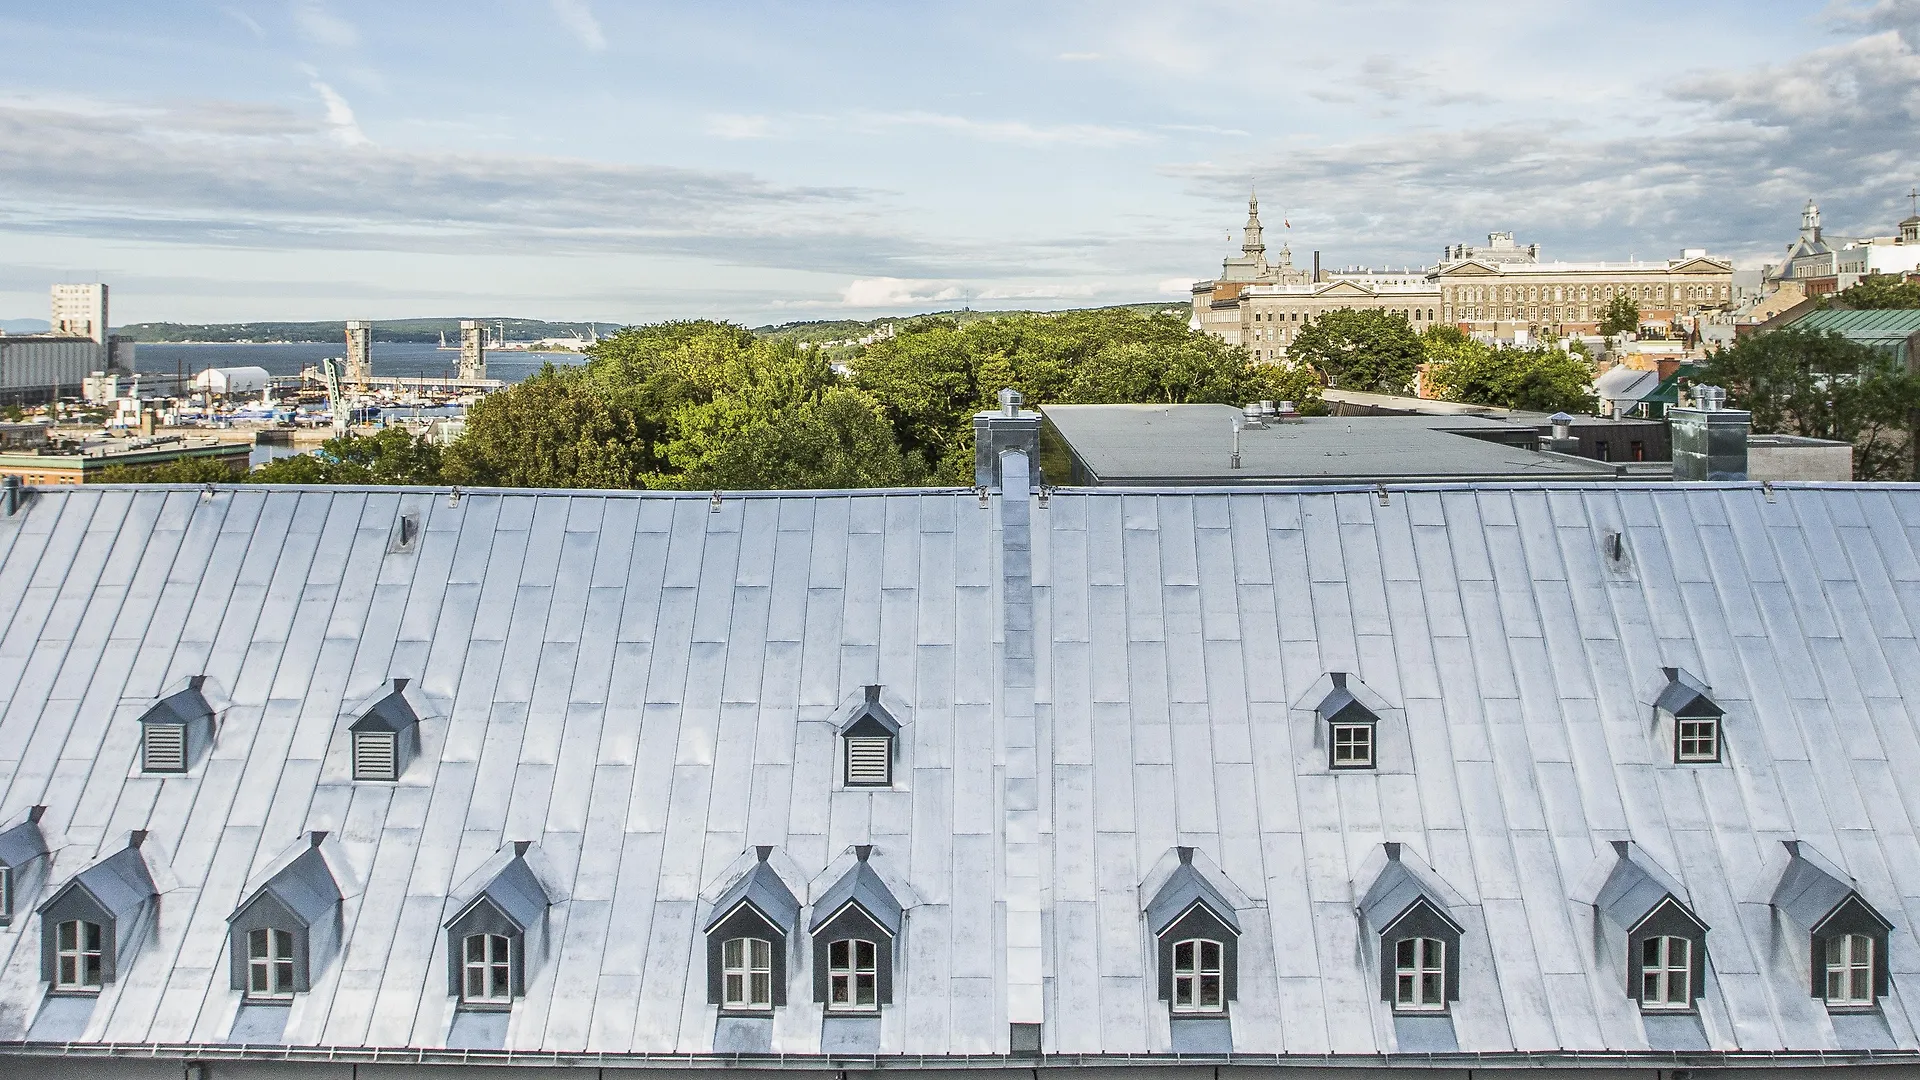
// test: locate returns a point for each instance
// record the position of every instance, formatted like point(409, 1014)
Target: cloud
point(322, 27)
point(346, 130)
point(578, 18)
point(1836, 123)
point(897, 292)
point(247, 21)
point(1004, 131)
point(1078, 57)
point(736, 126)
point(1176, 286)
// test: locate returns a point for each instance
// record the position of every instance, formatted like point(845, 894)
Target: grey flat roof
point(1192, 444)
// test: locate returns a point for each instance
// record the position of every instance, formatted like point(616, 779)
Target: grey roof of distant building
point(1192, 444)
point(647, 685)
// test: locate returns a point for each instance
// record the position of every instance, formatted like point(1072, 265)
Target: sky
point(778, 162)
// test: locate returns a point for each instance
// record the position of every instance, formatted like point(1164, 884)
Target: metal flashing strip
point(214, 1053)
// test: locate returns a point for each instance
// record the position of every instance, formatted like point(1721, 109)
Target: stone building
point(1570, 297)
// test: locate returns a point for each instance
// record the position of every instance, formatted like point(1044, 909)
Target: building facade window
point(852, 976)
point(1353, 746)
point(1198, 976)
point(747, 974)
point(488, 967)
point(1697, 738)
point(1850, 970)
point(78, 963)
point(270, 964)
point(1420, 975)
point(1666, 973)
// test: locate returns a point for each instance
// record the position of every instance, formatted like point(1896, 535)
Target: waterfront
point(396, 358)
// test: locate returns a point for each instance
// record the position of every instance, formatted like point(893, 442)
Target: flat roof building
point(55, 463)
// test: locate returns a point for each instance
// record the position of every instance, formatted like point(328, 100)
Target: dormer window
point(488, 938)
point(1847, 939)
point(23, 863)
point(287, 928)
point(1666, 942)
point(1696, 718)
point(1419, 940)
point(1351, 728)
point(1198, 942)
point(747, 940)
point(177, 730)
point(856, 925)
point(92, 925)
point(867, 744)
point(386, 737)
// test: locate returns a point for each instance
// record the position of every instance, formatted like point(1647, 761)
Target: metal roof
point(1684, 695)
point(305, 887)
point(1193, 444)
point(1183, 888)
point(181, 707)
point(859, 885)
point(1886, 325)
point(121, 882)
point(1395, 890)
point(647, 686)
point(1636, 888)
point(22, 843)
point(762, 887)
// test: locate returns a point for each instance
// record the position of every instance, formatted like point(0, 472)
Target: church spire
point(1810, 223)
point(1253, 245)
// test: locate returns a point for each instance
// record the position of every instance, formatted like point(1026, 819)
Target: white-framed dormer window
point(1420, 975)
point(746, 973)
point(1198, 976)
point(376, 755)
point(1850, 970)
point(1352, 746)
point(1696, 738)
point(269, 965)
point(1666, 973)
point(853, 976)
point(78, 963)
point(869, 760)
point(487, 968)
point(163, 748)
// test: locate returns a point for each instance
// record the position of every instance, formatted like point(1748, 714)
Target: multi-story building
point(1821, 265)
point(80, 311)
point(1570, 297)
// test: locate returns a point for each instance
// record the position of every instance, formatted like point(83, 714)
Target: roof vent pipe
point(1710, 398)
point(1010, 402)
point(1562, 425)
point(10, 494)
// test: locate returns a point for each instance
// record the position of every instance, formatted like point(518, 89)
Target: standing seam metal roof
point(646, 687)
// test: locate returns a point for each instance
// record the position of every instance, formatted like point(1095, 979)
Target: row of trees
point(1379, 352)
point(703, 405)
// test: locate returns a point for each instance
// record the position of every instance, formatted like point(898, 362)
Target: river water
point(389, 358)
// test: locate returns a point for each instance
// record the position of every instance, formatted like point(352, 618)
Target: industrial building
point(45, 461)
point(1552, 774)
point(41, 367)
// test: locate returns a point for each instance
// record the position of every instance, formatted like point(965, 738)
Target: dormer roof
point(1812, 889)
point(305, 887)
point(860, 885)
point(1396, 891)
point(762, 887)
point(24, 842)
point(119, 883)
point(391, 713)
point(515, 891)
point(1183, 888)
point(182, 707)
point(1340, 704)
point(1636, 888)
point(871, 719)
point(1685, 695)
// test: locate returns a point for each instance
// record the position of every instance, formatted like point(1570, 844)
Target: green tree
point(390, 456)
point(1821, 385)
point(191, 470)
point(1360, 349)
point(1620, 316)
point(1541, 380)
point(1880, 292)
point(560, 429)
point(935, 373)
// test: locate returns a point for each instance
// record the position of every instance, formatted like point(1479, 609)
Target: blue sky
point(266, 159)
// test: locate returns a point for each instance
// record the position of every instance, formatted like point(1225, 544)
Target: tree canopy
point(1620, 316)
point(1539, 379)
point(934, 374)
point(1360, 349)
point(1821, 385)
point(1879, 292)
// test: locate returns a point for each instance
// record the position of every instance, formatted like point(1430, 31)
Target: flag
point(1284, 223)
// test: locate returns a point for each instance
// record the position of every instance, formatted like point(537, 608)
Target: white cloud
point(897, 292)
point(1006, 131)
point(578, 18)
point(737, 126)
point(247, 21)
point(339, 115)
point(1176, 286)
point(323, 27)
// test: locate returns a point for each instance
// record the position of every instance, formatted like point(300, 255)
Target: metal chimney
point(1709, 439)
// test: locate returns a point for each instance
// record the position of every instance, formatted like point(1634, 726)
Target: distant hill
point(846, 330)
point(409, 330)
point(819, 332)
